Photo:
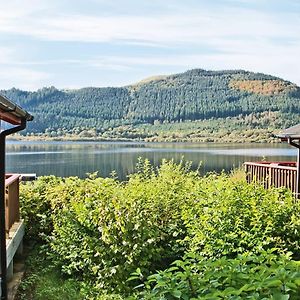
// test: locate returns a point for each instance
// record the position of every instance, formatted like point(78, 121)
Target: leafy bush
point(266, 276)
point(35, 206)
point(103, 229)
point(99, 230)
point(231, 217)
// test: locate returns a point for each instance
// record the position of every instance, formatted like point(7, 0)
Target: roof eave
point(12, 113)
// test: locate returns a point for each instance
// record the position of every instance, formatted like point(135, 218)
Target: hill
point(198, 105)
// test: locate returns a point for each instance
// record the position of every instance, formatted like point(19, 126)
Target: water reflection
point(79, 158)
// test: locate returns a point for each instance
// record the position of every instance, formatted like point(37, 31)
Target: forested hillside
point(195, 105)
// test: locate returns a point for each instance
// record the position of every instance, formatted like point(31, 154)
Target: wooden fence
point(275, 174)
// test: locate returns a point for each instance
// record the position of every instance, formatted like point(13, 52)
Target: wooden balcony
point(12, 206)
point(14, 226)
point(272, 174)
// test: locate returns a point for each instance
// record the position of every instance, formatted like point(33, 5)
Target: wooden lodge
point(279, 174)
point(11, 226)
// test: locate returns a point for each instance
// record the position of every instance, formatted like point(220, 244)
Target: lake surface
point(79, 158)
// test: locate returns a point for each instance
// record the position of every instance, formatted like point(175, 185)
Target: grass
point(44, 281)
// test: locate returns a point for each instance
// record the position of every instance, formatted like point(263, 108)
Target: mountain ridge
point(192, 96)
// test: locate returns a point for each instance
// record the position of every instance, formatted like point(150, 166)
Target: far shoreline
point(213, 140)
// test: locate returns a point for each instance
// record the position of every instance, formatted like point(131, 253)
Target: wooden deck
point(272, 174)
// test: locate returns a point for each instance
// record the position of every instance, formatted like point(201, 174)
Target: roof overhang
point(12, 113)
point(286, 138)
point(291, 135)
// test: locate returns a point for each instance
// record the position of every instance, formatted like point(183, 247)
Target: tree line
point(190, 96)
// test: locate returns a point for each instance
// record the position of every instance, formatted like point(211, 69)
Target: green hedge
point(266, 276)
point(101, 230)
point(232, 217)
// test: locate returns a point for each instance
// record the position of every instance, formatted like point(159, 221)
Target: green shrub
point(100, 230)
point(103, 229)
point(35, 206)
point(266, 276)
point(231, 217)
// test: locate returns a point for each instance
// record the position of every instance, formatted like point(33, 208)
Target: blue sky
point(79, 43)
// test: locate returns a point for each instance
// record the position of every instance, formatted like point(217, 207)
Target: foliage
point(100, 230)
point(35, 206)
point(229, 217)
point(43, 281)
point(255, 127)
point(192, 96)
point(104, 229)
point(266, 276)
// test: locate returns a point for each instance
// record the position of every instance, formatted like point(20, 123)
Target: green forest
point(196, 105)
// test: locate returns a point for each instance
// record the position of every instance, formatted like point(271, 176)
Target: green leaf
point(273, 283)
point(280, 296)
point(176, 293)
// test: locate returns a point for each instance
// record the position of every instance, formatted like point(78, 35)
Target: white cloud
point(22, 78)
point(163, 28)
point(6, 54)
point(281, 62)
point(209, 38)
point(230, 29)
point(15, 73)
point(19, 11)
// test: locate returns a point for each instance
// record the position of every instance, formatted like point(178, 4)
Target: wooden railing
point(12, 206)
point(275, 174)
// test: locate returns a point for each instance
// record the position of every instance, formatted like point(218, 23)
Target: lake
point(79, 158)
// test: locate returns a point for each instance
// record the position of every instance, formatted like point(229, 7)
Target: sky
point(79, 43)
